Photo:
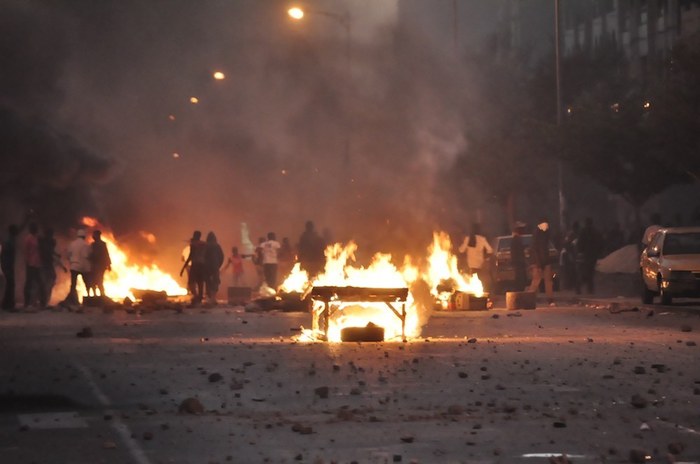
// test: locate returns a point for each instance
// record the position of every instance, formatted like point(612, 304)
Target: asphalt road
point(495, 386)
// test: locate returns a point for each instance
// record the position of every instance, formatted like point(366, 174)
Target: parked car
point(670, 265)
point(504, 273)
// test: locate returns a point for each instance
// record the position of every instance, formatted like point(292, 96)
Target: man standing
point(311, 251)
point(197, 270)
point(33, 261)
point(269, 252)
point(477, 248)
point(7, 261)
point(99, 263)
point(49, 260)
point(79, 262)
point(542, 264)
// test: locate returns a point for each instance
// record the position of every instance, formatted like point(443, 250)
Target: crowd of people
point(89, 261)
point(576, 253)
point(205, 261)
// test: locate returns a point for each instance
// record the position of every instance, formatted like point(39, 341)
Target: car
point(504, 273)
point(670, 265)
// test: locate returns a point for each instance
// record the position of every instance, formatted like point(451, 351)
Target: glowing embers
point(359, 313)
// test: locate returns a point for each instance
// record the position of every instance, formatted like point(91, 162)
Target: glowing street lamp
point(295, 13)
point(219, 76)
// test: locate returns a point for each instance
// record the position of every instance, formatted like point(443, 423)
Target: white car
point(670, 265)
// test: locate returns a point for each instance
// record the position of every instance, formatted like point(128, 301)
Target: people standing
point(589, 246)
point(195, 258)
point(517, 256)
point(541, 260)
point(49, 260)
point(477, 248)
point(7, 261)
point(32, 258)
point(236, 263)
point(79, 264)
point(100, 262)
point(269, 250)
point(311, 251)
point(213, 259)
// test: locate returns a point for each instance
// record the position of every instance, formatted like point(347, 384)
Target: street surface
point(598, 383)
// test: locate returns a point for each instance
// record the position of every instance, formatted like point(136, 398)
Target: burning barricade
point(381, 301)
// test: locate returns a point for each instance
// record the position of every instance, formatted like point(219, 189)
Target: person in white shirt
point(477, 249)
point(269, 259)
point(79, 261)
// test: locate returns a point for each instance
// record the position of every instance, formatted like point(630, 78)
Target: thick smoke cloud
point(298, 129)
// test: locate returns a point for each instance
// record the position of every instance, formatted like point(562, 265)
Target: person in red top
point(33, 259)
point(198, 270)
point(236, 263)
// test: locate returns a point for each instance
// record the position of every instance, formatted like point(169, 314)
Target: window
point(682, 244)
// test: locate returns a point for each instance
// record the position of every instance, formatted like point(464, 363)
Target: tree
point(506, 154)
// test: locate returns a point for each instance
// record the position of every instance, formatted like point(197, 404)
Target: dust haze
point(359, 139)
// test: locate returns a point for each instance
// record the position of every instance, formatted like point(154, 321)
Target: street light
point(297, 13)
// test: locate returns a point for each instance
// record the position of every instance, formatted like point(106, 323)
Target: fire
point(443, 275)
point(381, 273)
point(126, 276)
point(439, 272)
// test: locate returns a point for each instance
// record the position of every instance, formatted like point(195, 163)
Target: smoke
point(44, 170)
point(299, 129)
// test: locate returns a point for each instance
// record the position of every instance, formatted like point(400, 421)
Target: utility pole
point(560, 169)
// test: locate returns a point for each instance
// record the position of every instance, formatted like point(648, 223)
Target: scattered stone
point(397, 458)
point(638, 401)
point(85, 332)
point(463, 375)
point(559, 425)
point(302, 429)
point(407, 438)
point(147, 436)
point(495, 316)
point(690, 343)
point(322, 392)
point(191, 406)
point(471, 340)
point(215, 377)
point(686, 328)
point(639, 370)
point(660, 368)
point(455, 410)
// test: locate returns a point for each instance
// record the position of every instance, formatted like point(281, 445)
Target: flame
point(440, 273)
point(125, 276)
point(381, 273)
point(149, 237)
point(297, 281)
point(444, 276)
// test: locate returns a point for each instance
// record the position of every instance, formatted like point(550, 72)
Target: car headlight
point(681, 276)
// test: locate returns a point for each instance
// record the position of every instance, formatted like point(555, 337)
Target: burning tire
point(371, 333)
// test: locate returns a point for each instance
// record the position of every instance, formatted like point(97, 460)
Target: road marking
point(136, 452)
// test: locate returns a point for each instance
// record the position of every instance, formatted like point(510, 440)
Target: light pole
point(298, 13)
point(560, 169)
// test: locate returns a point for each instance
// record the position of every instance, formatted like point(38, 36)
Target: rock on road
point(478, 387)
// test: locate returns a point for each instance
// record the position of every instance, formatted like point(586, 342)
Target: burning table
point(356, 301)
